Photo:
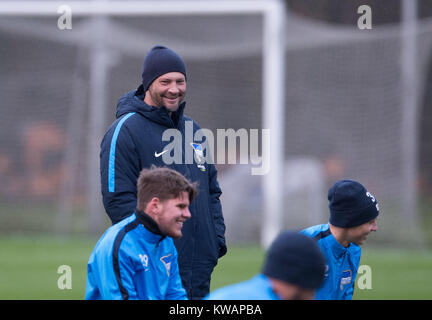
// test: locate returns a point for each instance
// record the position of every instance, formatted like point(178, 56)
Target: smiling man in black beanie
point(134, 142)
point(293, 268)
point(353, 215)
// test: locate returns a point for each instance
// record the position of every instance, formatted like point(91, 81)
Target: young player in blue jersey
point(353, 215)
point(293, 268)
point(136, 258)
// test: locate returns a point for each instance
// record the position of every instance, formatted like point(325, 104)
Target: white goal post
point(273, 14)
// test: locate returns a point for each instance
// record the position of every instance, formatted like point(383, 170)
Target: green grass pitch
point(28, 269)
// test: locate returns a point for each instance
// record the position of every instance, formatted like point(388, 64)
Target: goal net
point(343, 115)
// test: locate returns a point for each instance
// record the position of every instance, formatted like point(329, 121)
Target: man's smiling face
point(167, 90)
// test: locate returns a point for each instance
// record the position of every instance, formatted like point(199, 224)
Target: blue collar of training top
point(149, 224)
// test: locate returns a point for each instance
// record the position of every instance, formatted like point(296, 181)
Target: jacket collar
point(149, 224)
point(336, 248)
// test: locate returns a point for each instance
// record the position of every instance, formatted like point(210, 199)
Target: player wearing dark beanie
point(353, 214)
point(294, 267)
point(296, 259)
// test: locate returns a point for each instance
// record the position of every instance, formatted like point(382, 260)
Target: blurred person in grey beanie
point(134, 141)
point(294, 267)
point(353, 216)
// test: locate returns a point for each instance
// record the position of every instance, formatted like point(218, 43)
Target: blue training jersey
point(341, 264)
point(131, 262)
point(256, 288)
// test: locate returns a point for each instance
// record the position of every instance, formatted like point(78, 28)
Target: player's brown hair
point(162, 183)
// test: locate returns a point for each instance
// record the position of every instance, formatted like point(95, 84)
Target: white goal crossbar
point(273, 13)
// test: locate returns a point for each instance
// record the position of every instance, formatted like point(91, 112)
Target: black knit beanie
point(296, 259)
point(158, 61)
point(351, 204)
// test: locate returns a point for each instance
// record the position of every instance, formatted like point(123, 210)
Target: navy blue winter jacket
point(134, 142)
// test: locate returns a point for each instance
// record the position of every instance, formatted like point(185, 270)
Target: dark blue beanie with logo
point(296, 259)
point(351, 204)
point(158, 61)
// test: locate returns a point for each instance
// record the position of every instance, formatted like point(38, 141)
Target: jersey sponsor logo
point(167, 263)
point(346, 278)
